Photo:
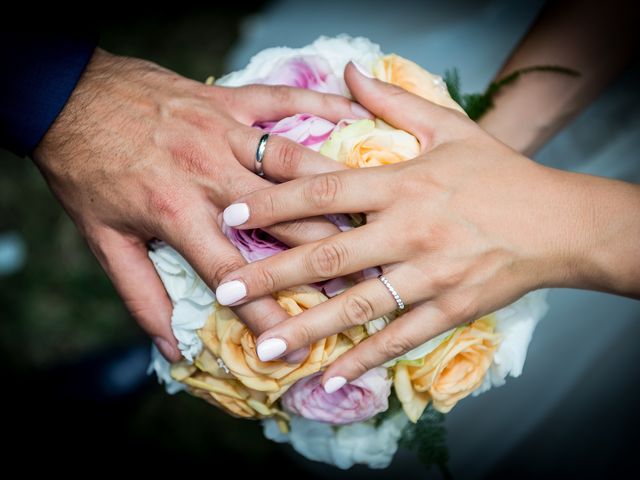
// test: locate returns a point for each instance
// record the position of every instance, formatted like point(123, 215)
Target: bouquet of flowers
point(363, 422)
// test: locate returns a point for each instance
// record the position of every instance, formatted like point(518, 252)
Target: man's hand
point(140, 152)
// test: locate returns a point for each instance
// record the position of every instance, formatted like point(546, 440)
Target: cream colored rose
point(229, 373)
point(366, 143)
point(415, 79)
point(450, 372)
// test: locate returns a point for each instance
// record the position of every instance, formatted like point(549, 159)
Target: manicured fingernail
point(297, 356)
point(271, 348)
point(360, 112)
point(362, 70)
point(334, 384)
point(236, 214)
point(167, 350)
point(229, 293)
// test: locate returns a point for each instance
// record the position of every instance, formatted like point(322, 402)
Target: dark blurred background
point(74, 363)
point(75, 389)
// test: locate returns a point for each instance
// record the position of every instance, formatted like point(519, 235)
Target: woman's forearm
point(593, 38)
point(599, 220)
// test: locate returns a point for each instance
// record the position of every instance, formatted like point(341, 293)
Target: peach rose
point(415, 79)
point(366, 143)
point(228, 372)
point(450, 372)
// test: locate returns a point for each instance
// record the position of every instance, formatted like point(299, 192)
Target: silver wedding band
point(262, 146)
point(392, 291)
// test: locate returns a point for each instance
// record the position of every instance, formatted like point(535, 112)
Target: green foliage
point(477, 104)
point(428, 438)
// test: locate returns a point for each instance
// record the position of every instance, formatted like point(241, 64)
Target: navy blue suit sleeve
point(40, 72)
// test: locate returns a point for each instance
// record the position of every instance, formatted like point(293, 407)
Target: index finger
point(213, 257)
point(348, 191)
point(256, 103)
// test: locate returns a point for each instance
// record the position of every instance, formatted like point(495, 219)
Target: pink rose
point(306, 71)
point(357, 401)
point(254, 244)
point(303, 128)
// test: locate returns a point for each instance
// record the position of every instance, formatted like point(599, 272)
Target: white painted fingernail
point(229, 293)
point(271, 348)
point(236, 214)
point(362, 70)
point(360, 112)
point(334, 384)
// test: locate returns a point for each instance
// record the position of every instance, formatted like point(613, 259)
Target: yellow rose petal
point(412, 77)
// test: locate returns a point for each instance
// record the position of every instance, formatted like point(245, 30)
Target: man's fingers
point(334, 257)
point(428, 122)
point(259, 103)
point(213, 257)
point(263, 314)
point(301, 232)
point(127, 264)
point(283, 159)
point(348, 191)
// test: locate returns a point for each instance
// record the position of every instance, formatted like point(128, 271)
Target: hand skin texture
point(140, 153)
point(462, 230)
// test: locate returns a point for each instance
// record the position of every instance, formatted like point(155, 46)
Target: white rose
point(162, 368)
point(516, 324)
point(345, 446)
point(192, 300)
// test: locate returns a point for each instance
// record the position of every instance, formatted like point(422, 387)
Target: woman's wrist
point(596, 239)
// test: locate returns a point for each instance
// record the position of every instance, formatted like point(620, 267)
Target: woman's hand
point(460, 231)
point(140, 152)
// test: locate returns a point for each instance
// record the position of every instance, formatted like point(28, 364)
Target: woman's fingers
point(428, 122)
point(258, 103)
point(364, 302)
point(213, 257)
point(127, 264)
point(399, 337)
point(334, 257)
point(348, 191)
point(283, 159)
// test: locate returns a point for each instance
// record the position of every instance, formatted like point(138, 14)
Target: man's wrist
point(60, 139)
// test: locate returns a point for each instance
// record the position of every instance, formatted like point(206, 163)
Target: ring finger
point(282, 160)
point(358, 305)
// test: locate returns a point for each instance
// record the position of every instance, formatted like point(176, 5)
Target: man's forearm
point(590, 37)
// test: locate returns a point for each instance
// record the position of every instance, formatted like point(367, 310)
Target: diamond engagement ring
point(262, 146)
point(392, 291)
